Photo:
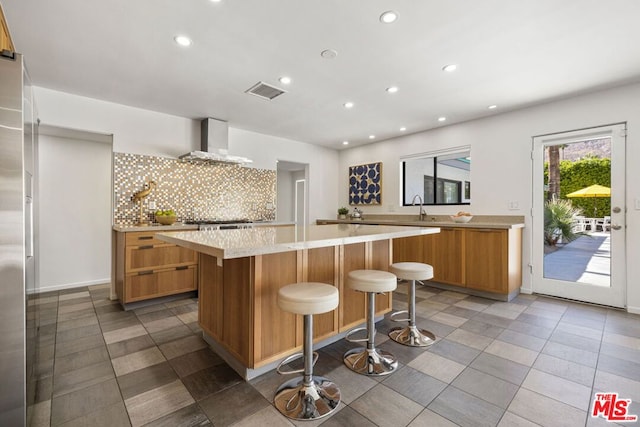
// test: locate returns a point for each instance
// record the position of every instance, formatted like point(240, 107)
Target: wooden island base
point(238, 310)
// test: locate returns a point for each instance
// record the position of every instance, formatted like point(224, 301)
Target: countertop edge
point(230, 253)
point(174, 227)
point(441, 224)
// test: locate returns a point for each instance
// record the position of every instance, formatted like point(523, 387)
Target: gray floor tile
point(428, 418)
point(464, 409)
point(557, 388)
point(607, 382)
point(584, 357)
point(437, 366)
point(75, 323)
point(624, 353)
point(189, 416)
point(182, 346)
point(482, 328)
point(82, 377)
point(223, 409)
point(494, 320)
point(531, 329)
point(351, 385)
point(81, 344)
point(171, 334)
point(487, 387)
point(208, 381)
point(69, 335)
point(397, 410)
point(566, 369)
point(575, 341)
point(348, 417)
point(154, 404)
point(132, 345)
point(522, 340)
point(510, 419)
point(109, 416)
point(146, 379)
point(624, 368)
point(502, 368)
point(545, 411)
point(415, 385)
point(120, 323)
point(537, 320)
point(81, 359)
point(155, 315)
point(83, 402)
point(454, 351)
point(195, 361)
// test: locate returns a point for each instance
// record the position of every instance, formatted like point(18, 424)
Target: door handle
point(616, 227)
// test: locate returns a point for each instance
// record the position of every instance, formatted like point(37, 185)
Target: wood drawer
point(142, 238)
point(150, 257)
point(160, 283)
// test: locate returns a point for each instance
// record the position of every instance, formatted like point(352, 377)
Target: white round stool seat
point(412, 270)
point(372, 281)
point(308, 298)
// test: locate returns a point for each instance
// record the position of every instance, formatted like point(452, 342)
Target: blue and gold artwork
point(365, 184)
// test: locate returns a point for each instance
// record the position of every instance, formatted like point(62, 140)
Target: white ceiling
point(510, 53)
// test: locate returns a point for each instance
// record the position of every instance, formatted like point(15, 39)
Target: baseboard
point(42, 289)
point(633, 310)
point(527, 291)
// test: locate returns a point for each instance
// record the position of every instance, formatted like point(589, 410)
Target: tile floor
point(533, 361)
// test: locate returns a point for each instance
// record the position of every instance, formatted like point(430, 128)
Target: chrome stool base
point(298, 401)
point(370, 361)
point(412, 336)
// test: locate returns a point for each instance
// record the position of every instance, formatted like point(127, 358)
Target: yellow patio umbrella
point(594, 191)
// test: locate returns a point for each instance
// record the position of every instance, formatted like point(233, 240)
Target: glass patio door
point(578, 215)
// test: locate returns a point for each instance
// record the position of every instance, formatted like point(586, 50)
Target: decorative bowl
point(166, 219)
point(461, 218)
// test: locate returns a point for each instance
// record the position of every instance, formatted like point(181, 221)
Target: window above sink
point(439, 178)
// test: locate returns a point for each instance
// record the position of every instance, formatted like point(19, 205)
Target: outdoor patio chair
point(604, 223)
point(579, 224)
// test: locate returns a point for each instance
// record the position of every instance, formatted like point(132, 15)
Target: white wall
point(146, 132)
point(501, 168)
point(265, 150)
point(74, 212)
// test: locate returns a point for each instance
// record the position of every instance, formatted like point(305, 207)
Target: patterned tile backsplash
point(192, 190)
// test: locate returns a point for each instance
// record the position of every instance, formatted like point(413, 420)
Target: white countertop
point(226, 244)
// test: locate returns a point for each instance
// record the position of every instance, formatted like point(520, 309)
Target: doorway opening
point(292, 201)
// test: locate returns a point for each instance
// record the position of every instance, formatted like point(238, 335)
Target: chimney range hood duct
point(214, 143)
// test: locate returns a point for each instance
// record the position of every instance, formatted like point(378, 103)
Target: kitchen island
point(242, 270)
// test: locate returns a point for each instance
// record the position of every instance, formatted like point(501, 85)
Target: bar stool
point(410, 334)
point(370, 360)
point(306, 397)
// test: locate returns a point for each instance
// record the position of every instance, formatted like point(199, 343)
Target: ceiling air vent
point(265, 91)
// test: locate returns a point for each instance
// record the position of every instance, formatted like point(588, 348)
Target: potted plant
point(559, 219)
point(342, 213)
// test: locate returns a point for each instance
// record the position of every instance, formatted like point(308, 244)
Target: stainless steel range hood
point(214, 145)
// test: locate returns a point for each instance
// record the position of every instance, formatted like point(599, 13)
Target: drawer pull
point(146, 247)
point(142, 273)
point(145, 237)
point(183, 267)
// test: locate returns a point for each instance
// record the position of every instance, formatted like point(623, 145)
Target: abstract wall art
point(365, 184)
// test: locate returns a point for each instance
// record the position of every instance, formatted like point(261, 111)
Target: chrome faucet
point(422, 213)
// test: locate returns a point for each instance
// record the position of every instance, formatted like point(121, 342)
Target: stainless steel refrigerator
point(18, 149)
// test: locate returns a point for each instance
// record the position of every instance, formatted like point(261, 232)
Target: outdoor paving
point(586, 260)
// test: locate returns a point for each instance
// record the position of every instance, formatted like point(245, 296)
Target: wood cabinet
point(485, 260)
point(238, 305)
point(149, 268)
point(5, 37)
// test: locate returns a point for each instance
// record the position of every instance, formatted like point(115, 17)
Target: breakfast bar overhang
point(242, 270)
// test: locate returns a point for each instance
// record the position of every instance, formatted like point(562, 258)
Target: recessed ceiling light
point(392, 89)
point(492, 107)
point(402, 129)
point(372, 137)
point(285, 80)
point(329, 53)
point(215, 1)
point(345, 142)
point(388, 17)
point(183, 40)
point(449, 68)
point(442, 119)
point(348, 104)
